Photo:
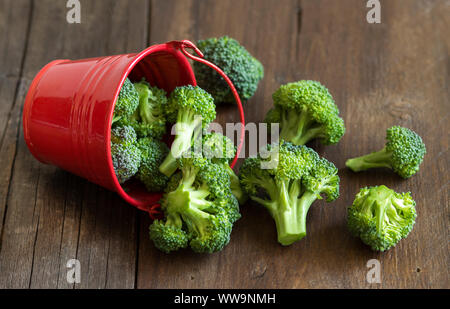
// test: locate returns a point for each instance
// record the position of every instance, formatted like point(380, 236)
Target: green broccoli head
point(169, 236)
point(127, 102)
point(126, 156)
point(286, 183)
point(403, 153)
point(239, 65)
point(153, 153)
point(191, 109)
point(149, 120)
point(199, 195)
point(305, 111)
point(381, 217)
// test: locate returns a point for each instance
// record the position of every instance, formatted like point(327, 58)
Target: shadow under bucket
point(69, 109)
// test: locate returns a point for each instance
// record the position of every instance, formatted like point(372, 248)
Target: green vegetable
point(381, 217)
point(289, 187)
point(127, 102)
point(198, 206)
point(403, 153)
point(126, 156)
point(221, 150)
point(239, 65)
point(191, 109)
point(153, 153)
point(305, 110)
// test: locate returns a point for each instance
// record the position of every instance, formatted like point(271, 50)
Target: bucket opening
point(164, 67)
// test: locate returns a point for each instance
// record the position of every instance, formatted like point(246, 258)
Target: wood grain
point(53, 216)
point(393, 73)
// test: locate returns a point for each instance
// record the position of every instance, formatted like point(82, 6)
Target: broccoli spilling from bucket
point(286, 182)
point(403, 153)
point(191, 109)
point(125, 154)
point(149, 119)
point(239, 65)
point(305, 110)
point(127, 101)
point(198, 206)
point(381, 217)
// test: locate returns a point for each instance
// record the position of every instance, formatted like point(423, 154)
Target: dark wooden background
point(396, 72)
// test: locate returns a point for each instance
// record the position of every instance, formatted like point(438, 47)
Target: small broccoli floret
point(403, 153)
point(199, 195)
point(153, 153)
point(305, 111)
point(381, 217)
point(151, 111)
point(239, 65)
point(169, 236)
point(126, 156)
point(191, 109)
point(127, 102)
point(221, 150)
point(289, 187)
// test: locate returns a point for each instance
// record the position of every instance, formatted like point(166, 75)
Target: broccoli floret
point(221, 150)
point(127, 102)
point(126, 157)
point(169, 236)
point(239, 65)
point(202, 202)
point(305, 111)
point(403, 153)
point(289, 187)
point(381, 217)
point(153, 153)
point(150, 119)
point(191, 109)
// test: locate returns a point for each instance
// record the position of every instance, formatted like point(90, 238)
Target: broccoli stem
point(303, 206)
point(235, 186)
point(299, 130)
point(186, 127)
point(308, 135)
point(380, 158)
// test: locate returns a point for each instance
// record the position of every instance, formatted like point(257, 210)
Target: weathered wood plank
point(13, 33)
point(377, 75)
point(48, 221)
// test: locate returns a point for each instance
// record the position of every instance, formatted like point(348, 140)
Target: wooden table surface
point(392, 73)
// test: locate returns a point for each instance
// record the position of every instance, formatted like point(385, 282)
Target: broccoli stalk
point(403, 153)
point(186, 199)
point(372, 160)
point(191, 109)
point(187, 130)
point(287, 209)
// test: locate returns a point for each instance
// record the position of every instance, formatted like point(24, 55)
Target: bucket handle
point(154, 210)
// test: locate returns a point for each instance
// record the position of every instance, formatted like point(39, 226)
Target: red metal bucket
point(69, 107)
